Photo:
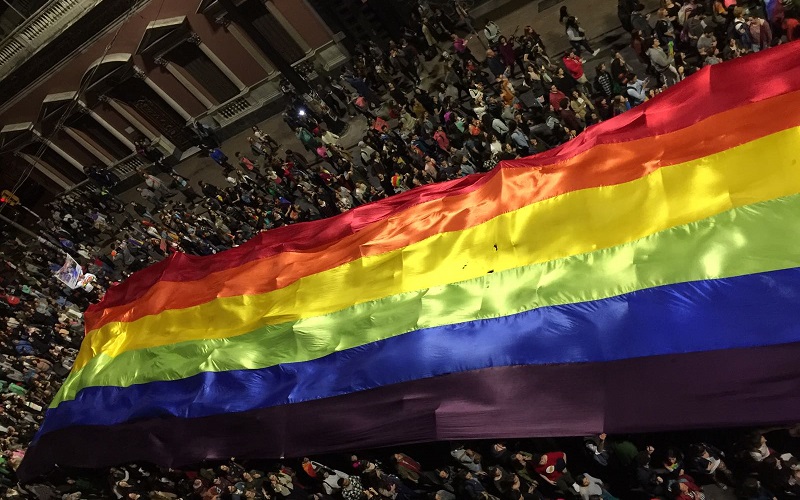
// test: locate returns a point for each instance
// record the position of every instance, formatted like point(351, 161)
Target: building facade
point(83, 80)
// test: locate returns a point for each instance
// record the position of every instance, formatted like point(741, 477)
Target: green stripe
point(751, 239)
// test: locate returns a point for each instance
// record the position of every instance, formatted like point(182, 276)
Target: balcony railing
point(128, 166)
point(38, 29)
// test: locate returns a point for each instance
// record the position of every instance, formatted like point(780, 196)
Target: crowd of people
point(433, 107)
point(433, 110)
point(598, 467)
point(41, 334)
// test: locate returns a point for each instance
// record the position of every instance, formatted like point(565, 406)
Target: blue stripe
point(745, 311)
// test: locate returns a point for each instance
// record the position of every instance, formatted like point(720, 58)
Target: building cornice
point(63, 42)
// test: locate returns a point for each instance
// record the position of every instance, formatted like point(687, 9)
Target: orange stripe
point(523, 186)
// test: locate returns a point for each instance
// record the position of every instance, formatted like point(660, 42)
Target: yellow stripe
point(570, 224)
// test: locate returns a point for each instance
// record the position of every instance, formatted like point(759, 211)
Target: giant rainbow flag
point(644, 276)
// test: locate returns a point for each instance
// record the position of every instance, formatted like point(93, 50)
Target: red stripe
point(710, 91)
point(705, 94)
point(295, 238)
point(603, 165)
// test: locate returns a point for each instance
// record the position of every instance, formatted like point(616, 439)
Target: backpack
point(633, 101)
point(741, 32)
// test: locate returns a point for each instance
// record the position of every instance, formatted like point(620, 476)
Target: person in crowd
point(574, 66)
point(635, 90)
point(492, 32)
point(577, 36)
point(508, 55)
point(563, 15)
point(753, 490)
point(673, 465)
point(707, 462)
point(206, 134)
point(351, 488)
point(552, 468)
point(648, 479)
point(582, 107)
point(779, 471)
point(684, 488)
point(663, 29)
point(466, 117)
point(760, 33)
point(603, 81)
point(591, 487)
point(407, 468)
point(460, 46)
point(663, 63)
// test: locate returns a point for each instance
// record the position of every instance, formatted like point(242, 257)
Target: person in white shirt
point(496, 146)
point(759, 450)
point(491, 32)
point(330, 483)
point(476, 93)
point(589, 486)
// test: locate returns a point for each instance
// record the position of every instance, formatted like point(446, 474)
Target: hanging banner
point(70, 273)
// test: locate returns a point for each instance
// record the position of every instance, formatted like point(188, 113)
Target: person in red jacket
point(442, 140)
point(407, 468)
point(555, 97)
point(574, 66)
point(552, 467)
point(791, 27)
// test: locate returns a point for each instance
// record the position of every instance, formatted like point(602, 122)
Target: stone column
point(273, 9)
point(316, 15)
point(88, 146)
point(139, 73)
point(60, 152)
point(38, 165)
point(137, 123)
point(247, 45)
point(103, 123)
point(195, 38)
point(187, 84)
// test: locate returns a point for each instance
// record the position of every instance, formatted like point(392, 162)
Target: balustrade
point(38, 29)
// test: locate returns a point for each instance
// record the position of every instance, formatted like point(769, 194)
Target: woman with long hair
point(563, 15)
point(577, 37)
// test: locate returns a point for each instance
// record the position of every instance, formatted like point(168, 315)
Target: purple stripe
point(755, 386)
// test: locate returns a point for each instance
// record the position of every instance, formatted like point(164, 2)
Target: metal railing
point(123, 169)
point(38, 29)
point(128, 166)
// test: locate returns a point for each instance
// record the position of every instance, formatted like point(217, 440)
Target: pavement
point(598, 18)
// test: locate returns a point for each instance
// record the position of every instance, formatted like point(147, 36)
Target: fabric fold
point(644, 276)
